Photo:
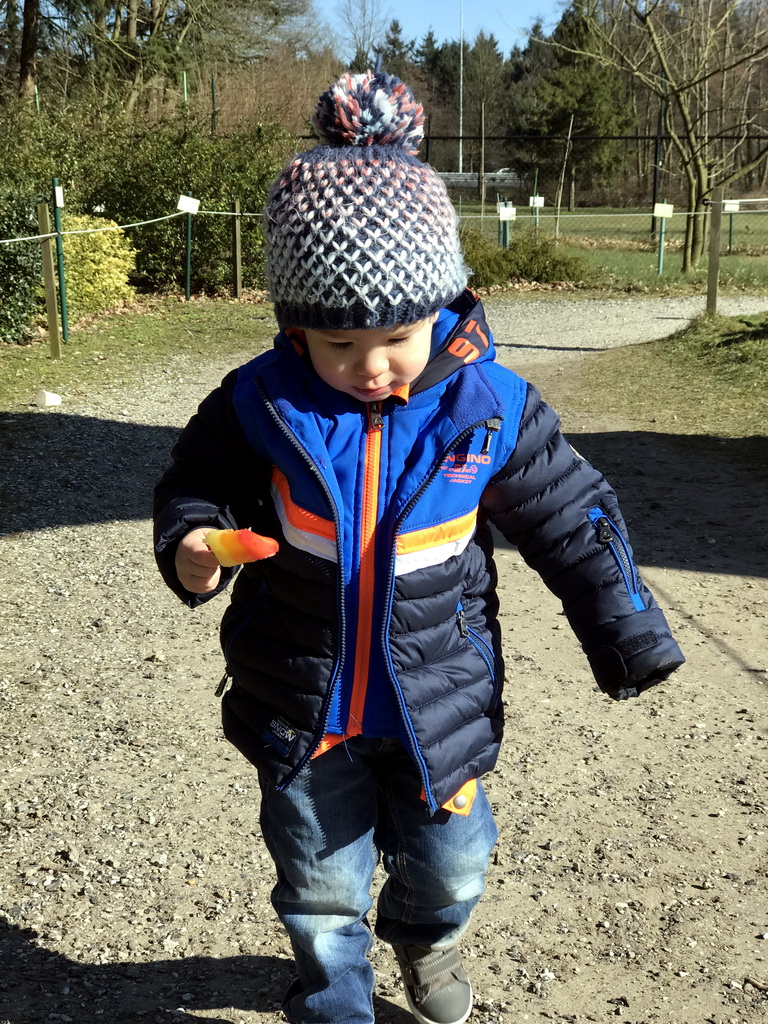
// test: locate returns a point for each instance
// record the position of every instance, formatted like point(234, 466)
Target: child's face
point(371, 364)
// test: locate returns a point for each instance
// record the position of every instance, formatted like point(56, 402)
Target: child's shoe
point(436, 987)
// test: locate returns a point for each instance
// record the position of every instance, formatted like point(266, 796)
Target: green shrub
point(96, 266)
point(143, 175)
point(135, 172)
point(20, 268)
point(531, 256)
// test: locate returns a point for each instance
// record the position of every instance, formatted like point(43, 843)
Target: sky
point(508, 20)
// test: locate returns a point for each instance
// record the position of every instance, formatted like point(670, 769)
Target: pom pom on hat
point(370, 109)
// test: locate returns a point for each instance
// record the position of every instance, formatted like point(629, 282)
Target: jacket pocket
point(231, 626)
point(482, 647)
point(609, 534)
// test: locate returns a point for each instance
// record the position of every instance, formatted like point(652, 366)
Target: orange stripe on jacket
point(299, 517)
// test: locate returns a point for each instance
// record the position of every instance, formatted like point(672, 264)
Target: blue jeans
point(357, 802)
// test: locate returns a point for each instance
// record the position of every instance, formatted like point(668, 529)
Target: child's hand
point(196, 565)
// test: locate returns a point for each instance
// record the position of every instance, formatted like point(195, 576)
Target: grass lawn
point(637, 271)
point(709, 379)
point(114, 348)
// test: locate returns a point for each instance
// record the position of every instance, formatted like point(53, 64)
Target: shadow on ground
point(692, 502)
point(38, 984)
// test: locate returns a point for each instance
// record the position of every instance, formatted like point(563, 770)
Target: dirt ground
point(630, 876)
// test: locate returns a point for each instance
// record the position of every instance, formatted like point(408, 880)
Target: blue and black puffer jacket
point(378, 615)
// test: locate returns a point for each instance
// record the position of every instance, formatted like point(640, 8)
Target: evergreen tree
point(397, 54)
point(596, 96)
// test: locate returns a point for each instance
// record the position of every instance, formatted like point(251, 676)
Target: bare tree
point(700, 58)
point(363, 26)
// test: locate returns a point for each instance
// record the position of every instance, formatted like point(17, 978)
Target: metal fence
point(744, 230)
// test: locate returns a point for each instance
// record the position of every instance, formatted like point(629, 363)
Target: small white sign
point(535, 200)
point(731, 206)
point(58, 195)
point(187, 204)
point(663, 210)
point(507, 213)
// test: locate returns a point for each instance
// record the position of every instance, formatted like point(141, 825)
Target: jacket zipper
point(431, 802)
point(480, 643)
point(326, 709)
point(367, 576)
point(609, 534)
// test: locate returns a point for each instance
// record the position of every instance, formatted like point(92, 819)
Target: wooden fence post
point(713, 270)
point(237, 252)
point(49, 281)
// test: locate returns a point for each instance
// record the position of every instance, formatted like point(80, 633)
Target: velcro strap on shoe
point(432, 967)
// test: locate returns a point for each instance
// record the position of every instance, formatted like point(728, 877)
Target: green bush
point(143, 175)
point(96, 266)
point(531, 256)
point(20, 268)
point(135, 172)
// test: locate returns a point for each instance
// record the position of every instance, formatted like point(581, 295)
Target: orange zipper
point(369, 516)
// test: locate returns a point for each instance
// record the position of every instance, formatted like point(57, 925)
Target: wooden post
point(713, 271)
point(49, 281)
point(237, 252)
point(188, 261)
point(481, 175)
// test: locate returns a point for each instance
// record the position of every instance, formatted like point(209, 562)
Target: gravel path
point(630, 876)
point(564, 329)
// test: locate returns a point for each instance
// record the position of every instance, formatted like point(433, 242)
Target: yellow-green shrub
point(96, 266)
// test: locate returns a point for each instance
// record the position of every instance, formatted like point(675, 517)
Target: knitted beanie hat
point(360, 233)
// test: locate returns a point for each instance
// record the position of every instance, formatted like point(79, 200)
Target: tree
point(121, 52)
point(483, 89)
point(363, 27)
point(397, 54)
point(578, 86)
point(28, 51)
point(700, 59)
point(10, 41)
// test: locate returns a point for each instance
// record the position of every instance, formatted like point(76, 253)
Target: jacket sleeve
point(565, 519)
point(215, 479)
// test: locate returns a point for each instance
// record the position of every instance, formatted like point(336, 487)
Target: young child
point(377, 443)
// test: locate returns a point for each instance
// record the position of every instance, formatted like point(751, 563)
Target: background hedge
point(20, 268)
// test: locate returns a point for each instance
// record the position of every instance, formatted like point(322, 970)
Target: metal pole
point(213, 104)
point(49, 281)
point(237, 256)
point(713, 270)
point(662, 232)
point(461, 90)
point(60, 262)
point(730, 234)
point(658, 160)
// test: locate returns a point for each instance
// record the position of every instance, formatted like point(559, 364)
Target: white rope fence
point(123, 227)
point(230, 213)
